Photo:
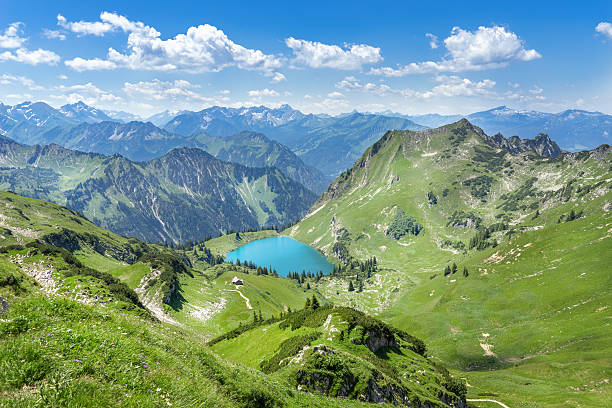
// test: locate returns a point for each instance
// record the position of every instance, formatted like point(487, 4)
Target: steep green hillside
point(256, 150)
point(530, 322)
point(185, 195)
point(344, 353)
point(110, 321)
point(138, 141)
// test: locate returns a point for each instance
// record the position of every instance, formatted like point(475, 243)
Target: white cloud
point(449, 86)
point(84, 27)
point(159, 90)
point(277, 77)
point(88, 93)
point(536, 90)
point(11, 37)
point(455, 86)
point(201, 49)
point(6, 79)
point(81, 64)
point(34, 57)
point(54, 34)
point(604, 28)
point(433, 40)
point(485, 48)
point(335, 94)
point(318, 55)
point(263, 92)
point(62, 77)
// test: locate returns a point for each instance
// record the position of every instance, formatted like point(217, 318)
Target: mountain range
point(330, 144)
point(186, 194)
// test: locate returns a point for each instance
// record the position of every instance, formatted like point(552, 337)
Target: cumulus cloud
point(433, 40)
point(201, 49)
point(97, 28)
point(335, 94)
point(448, 86)
point(277, 77)
point(7, 79)
point(11, 38)
point(87, 93)
point(605, 29)
point(54, 34)
point(455, 86)
point(81, 64)
point(31, 57)
point(258, 93)
point(318, 55)
point(159, 90)
point(485, 48)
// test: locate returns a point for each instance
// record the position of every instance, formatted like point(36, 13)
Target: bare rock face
point(4, 306)
point(377, 341)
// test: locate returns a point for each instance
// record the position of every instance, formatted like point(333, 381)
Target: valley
point(465, 269)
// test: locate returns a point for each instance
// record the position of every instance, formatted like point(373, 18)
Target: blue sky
point(407, 57)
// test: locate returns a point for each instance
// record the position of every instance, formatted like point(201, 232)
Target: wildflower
point(76, 360)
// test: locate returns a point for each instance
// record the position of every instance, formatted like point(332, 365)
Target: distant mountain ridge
point(138, 141)
point(571, 129)
point(184, 195)
point(256, 150)
point(329, 143)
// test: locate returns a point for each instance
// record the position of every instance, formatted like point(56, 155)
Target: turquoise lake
point(282, 253)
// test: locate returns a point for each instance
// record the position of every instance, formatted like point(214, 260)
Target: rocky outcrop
point(377, 340)
point(4, 306)
point(73, 241)
point(541, 144)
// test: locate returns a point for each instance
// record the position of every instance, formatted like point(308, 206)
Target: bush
point(403, 224)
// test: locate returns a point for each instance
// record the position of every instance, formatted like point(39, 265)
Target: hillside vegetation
point(91, 318)
point(508, 279)
point(185, 195)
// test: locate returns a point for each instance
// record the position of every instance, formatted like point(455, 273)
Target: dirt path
point(488, 400)
point(246, 299)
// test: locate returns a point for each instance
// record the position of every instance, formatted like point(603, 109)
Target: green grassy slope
point(530, 323)
point(342, 352)
point(88, 327)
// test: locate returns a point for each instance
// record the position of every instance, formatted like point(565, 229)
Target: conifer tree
point(360, 289)
point(454, 269)
point(447, 270)
point(314, 303)
point(307, 305)
point(465, 272)
point(254, 317)
point(351, 287)
point(308, 286)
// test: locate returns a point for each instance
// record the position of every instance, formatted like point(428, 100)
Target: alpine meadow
point(305, 204)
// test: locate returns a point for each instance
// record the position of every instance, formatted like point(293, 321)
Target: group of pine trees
point(301, 278)
point(481, 241)
point(366, 268)
point(312, 303)
point(453, 269)
point(259, 270)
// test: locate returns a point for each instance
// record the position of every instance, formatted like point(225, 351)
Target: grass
point(541, 295)
point(57, 352)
